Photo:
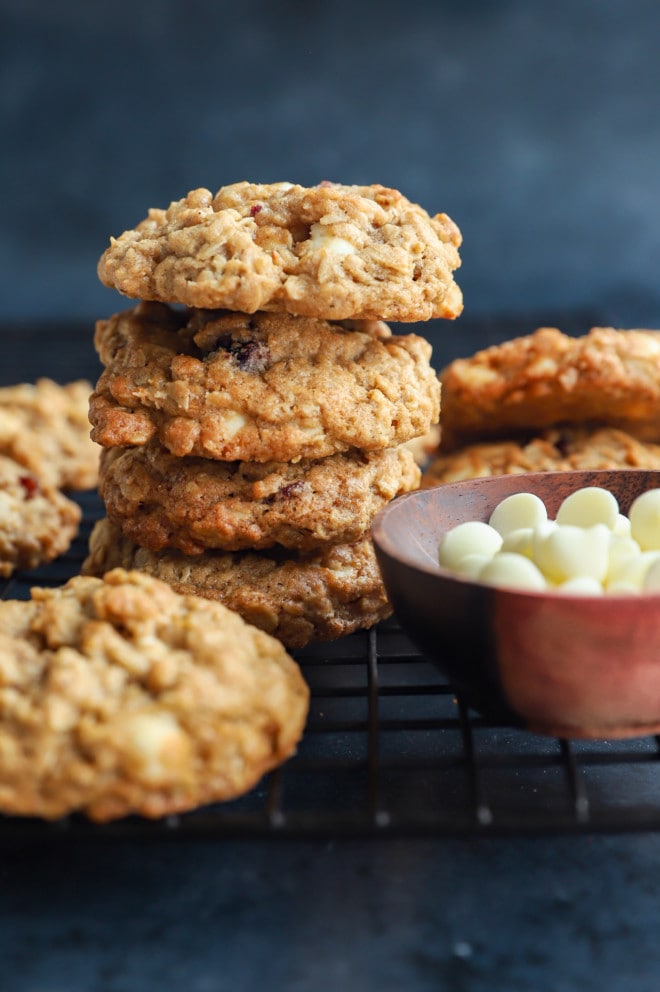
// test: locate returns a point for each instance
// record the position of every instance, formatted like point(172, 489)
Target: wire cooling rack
point(390, 750)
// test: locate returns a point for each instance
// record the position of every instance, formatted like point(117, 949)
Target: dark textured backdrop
point(535, 125)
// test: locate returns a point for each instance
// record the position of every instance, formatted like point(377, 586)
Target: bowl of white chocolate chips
point(537, 594)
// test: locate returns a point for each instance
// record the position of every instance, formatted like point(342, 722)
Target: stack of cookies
point(550, 402)
point(255, 409)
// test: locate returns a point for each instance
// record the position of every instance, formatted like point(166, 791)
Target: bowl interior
point(411, 526)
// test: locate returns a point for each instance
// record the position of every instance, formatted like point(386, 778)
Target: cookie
point(330, 251)
point(607, 377)
point(553, 450)
point(45, 426)
point(423, 448)
point(119, 696)
point(265, 387)
point(37, 522)
point(161, 501)
point(297, 598)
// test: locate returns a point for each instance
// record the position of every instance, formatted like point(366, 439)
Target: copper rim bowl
point(570, 666)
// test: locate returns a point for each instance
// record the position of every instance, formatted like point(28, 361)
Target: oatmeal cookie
point(331, 252)
point(37, 522)
point(261, 387)
point(45, 426)
point(121, 696)
point(296, 597)
point(554, 450)
point(161, 501)
point(607, 377)
point(424, 448)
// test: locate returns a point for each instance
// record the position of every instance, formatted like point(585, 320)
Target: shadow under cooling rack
point(390, 750)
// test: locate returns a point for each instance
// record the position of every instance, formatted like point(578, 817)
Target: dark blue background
point(535, 125)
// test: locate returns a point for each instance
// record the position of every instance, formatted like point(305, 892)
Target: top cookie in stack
point(333, 252)
point(255, 407)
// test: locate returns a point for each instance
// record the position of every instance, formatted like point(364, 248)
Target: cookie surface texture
point(607, 377)
point(161, 501)
point(120, 696)
point(45, 426)
point(330, 251)
point(37, 522)
point(296, 598)
point(259, 387)
point(554, 450)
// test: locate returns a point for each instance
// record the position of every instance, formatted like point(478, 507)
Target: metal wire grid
point(390, 750)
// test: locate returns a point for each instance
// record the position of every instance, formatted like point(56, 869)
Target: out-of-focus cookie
point(258, 387)
point(121, 696)
point(555, 450)
point(297, 598)
point(330, 251)
point(45, 426)
point(37, 522)
point(607, 377)
point(161, 501)
point(424, 448)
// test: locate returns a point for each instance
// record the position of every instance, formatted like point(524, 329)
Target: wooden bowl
point(570, 666)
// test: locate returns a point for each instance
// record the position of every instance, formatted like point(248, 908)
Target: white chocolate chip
point(472, 537)
point(652, 577)
point(509, 569)
point(566, 551)
point(516, 511)
point(542, 367)
point(155, 745)
point(621, 551)
point(622, 526)
point(581, 585)
point(233, 422)
point(343, 572)
point(539, 539)
point(630, 577)
point(475, 376)
point(469, 566)
point(645, 520)
point(588, 506)
point(321, 238)
point(519, 541)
